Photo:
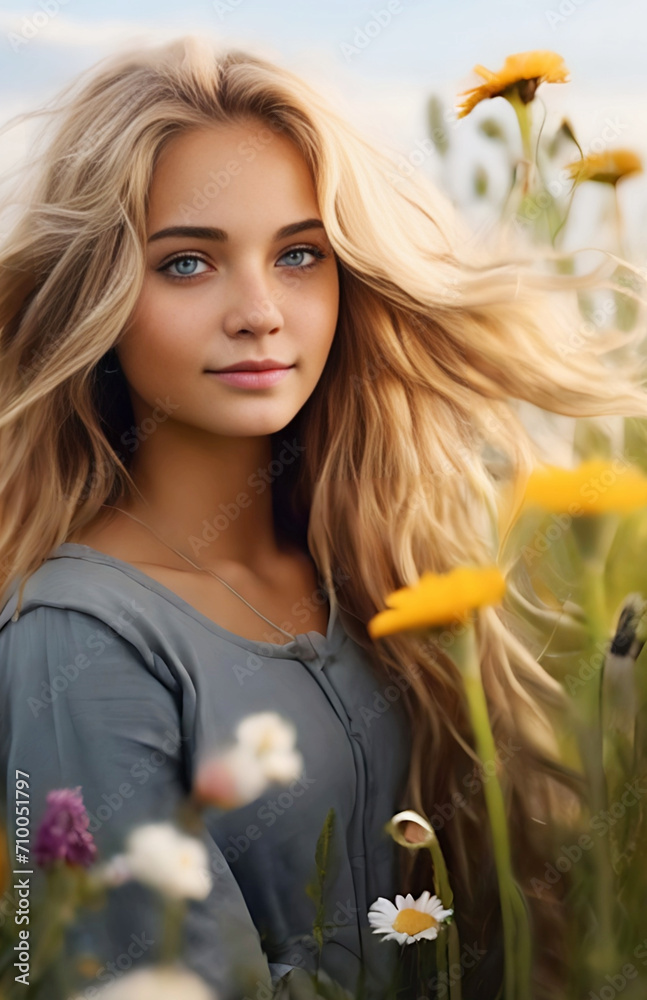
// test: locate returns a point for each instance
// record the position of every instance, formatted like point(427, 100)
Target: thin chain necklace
point(203, 569)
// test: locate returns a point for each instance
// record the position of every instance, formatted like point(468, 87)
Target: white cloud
point(58, 31)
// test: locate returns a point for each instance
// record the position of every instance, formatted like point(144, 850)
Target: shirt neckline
point(312, 642)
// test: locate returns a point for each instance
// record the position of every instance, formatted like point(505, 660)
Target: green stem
point(443, 890)
point(442, 887)
point(58, 911)
point(454, 951)
point(604, 955)
point(173, 918)
point(441, 957)
point(525, 128)
point(594, 535)
point(516, 930)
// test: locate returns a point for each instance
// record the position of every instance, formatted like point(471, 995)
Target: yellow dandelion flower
point(522, 72)
point(439, 598)
point(594, 487)
point(608, 167)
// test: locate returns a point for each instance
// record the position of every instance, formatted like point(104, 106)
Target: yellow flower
point(594, 487)
point(521, 73)
point(438, 598)
point(608, 167)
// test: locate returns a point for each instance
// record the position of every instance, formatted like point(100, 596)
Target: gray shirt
point(113, 682)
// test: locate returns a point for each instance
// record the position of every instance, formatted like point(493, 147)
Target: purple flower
point(63, 832)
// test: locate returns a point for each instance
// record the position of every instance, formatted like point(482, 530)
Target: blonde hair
point(436, 338)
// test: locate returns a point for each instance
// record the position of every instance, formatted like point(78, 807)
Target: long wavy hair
point(438, 336)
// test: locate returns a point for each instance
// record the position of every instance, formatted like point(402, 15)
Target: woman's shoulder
point(78, 613)
point(79, 599)
point(75, 578)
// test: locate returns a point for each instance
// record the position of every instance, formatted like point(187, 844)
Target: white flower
point(271, 739)
point(409, 920)
point(233, 778)
point(113, 872)
point(263, 752)
point(160, 856)
point(157, 984)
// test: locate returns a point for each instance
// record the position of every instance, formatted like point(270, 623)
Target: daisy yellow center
point(411, 922)
point(265, 743)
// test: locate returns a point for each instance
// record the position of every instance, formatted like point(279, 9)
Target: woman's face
point(243, 292)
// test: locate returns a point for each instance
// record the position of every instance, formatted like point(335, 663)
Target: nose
point(253, 307)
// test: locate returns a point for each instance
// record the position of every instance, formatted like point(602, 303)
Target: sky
point(379, 62)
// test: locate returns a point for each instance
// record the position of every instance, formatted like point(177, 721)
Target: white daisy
point(161, 856)
point(410, 919)
point(263, 752)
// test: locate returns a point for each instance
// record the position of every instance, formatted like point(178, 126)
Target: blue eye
point(185, 263)
point(313, 251)
point(180, 261)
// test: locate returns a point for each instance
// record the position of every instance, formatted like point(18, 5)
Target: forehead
point(220, 170)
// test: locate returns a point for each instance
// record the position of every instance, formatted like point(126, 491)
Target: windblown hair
point(437, 338)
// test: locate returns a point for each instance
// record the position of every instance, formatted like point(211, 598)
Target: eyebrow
point(219, 235)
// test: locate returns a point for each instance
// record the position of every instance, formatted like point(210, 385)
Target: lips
point(254, 366)
point(259, 379)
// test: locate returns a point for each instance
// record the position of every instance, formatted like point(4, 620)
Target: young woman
point(182, 546)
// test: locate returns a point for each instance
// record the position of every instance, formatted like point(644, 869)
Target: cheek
point(152, 334)
point(317, 314)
